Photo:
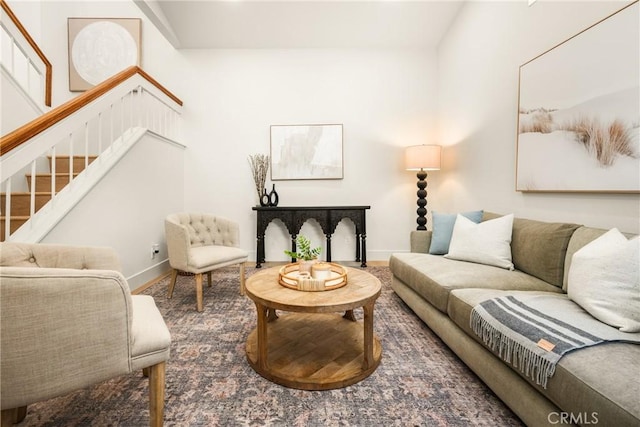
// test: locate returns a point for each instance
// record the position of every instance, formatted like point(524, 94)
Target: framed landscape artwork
point(579, 112)
point(306, 152)
point(100, 48)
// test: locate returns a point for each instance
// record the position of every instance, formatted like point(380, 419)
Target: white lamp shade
point(425, 157)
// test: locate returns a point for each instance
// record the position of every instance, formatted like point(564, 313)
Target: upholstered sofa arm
point(58, 256)
point(420, 241)
point(80, 319)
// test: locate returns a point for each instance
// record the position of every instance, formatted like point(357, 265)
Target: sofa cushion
point(539, 248)
point(150, 342)
point(487, 243)
point(604, 279)
point(579, 238)
point(593, 380)
point(433, 277)
point(204, 257)
point(443, 229)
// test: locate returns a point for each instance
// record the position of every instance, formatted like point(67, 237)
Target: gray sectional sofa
point(597, 385)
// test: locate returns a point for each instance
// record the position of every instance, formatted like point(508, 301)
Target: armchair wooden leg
point(172, 284)
point(208, 278)
point(12, 416)
point(199, 291)
point(156, 394)
point(242, 278)
point(21, 414)
point(8, 417)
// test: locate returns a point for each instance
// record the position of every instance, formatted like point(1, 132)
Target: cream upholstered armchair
point(68, 321)
point(200, 243)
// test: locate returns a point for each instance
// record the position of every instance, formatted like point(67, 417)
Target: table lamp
point(422, 158)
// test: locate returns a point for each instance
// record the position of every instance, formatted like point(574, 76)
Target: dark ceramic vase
point(273, 196)
point(264, 199)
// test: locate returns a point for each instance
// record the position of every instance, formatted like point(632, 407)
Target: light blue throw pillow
point(443, 228)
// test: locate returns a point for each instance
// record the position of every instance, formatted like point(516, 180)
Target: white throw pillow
point(488, 242)
point(604, 279)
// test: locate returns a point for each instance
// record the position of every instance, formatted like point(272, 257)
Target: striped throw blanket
point(532, 332)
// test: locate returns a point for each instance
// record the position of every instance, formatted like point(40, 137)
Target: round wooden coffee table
point(313, 346)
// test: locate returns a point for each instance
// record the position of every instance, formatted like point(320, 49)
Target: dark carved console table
point(327, 216)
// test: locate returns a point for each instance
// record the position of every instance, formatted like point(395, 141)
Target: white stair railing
point(21, 59)
point(100, 127)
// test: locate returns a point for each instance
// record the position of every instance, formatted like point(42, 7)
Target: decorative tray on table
point(324, 276)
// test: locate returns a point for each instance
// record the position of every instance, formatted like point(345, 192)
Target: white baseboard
point(149, 274)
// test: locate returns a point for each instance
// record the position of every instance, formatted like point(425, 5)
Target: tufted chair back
point(199, 243)
point(57, 256)
point(207, 230)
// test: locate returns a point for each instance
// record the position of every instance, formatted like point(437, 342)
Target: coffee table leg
point(271, 314)
point(368, 335)
point(262, 335)
point(349, 315)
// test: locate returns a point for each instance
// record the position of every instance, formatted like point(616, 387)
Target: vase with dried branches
point(259, 167)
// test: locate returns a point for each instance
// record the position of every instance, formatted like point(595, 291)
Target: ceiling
point(288, 24)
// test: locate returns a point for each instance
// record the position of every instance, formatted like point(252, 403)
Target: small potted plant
point(305, 255)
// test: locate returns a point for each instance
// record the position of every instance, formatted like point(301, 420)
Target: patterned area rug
point(419, 382)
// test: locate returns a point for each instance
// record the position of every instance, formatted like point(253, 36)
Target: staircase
point(21, 201)
point(106, 120)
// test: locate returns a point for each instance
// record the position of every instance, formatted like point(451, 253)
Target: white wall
point(46, 22)
point(126, 209)
point(478, 62)
point(16, 108)
point(384, 99)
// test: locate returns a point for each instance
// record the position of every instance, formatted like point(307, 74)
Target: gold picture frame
point(100, 48)
point(578, 112)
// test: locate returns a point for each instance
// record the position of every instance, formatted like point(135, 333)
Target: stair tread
point(63, 164)
point(28, 193)
point(75, 157)
point(57, 174)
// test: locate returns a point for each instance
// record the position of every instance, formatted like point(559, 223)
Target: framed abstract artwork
point(306, 152)
point(100, 48)
point(579, 112)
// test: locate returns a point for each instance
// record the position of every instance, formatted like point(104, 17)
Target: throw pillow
point(443, 228)
point(486, 243)
point(604, 279)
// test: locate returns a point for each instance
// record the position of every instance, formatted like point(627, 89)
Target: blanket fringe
point(529, 363)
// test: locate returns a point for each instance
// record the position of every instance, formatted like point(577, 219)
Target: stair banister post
point(121, 117)
point(70, 158)
point(32, 201)
point(13, 58)
point(140, 105)
point(7, 210)
point(86, 145)
point(131, 99)
point(110, 125)
point(53, 174)
point(99, 133)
